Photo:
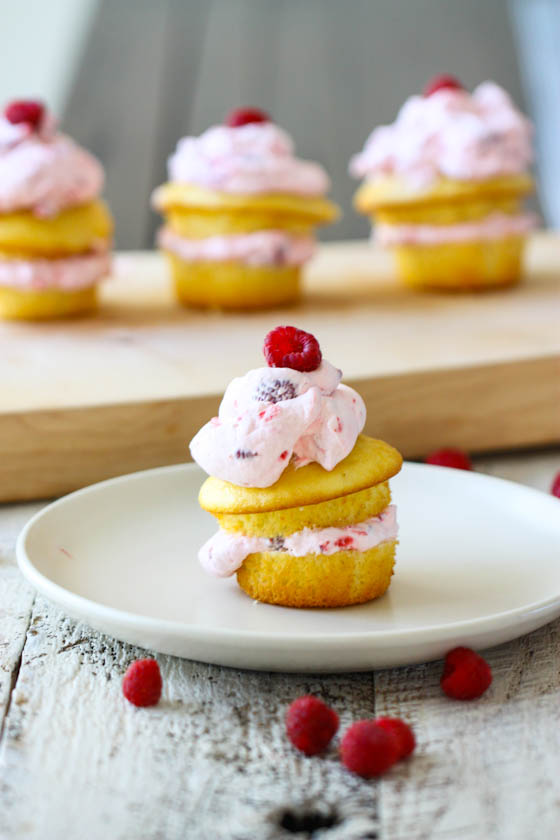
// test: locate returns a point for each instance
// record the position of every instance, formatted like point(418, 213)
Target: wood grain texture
point(211, 760)
point(126, 390)
point(16, 601)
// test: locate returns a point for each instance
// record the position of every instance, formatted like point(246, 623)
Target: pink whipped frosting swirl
point(492, 227)
point(44, 171)
point(452, 133)
point(253, 158)
point(272, 415)
point(225, 553)
point(262, 247)
point(69, 273)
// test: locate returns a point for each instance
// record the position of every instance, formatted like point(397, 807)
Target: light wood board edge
point(484, 408)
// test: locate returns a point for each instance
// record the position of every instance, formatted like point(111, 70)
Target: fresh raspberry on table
point(369, 749)
point(310, 724)
point(555, 489)
point(402, 732)
point(292, 348)
point(450, 458)
point(244, 116)
point(142, 683)
point(24, 111)
point(443, 81)
point(466, 675)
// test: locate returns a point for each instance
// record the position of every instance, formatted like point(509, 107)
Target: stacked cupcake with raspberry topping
point(240, 213)
point(55, 232)
point(301, 496)
point(444, 186)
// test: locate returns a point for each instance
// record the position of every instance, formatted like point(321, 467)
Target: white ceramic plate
point(478, 564)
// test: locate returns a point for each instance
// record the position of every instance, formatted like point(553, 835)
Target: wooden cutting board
point(126, 390)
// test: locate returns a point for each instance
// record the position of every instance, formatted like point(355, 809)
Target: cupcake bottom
point(461, 266)
point(32, 305)
point(233, 285)
point(318, 580)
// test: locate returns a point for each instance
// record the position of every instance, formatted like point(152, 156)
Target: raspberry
point(244, 116)
point(450, 458)
point(292, 348)
point(466, 675)
point(277, 391)
point(369, 749)
point(24, 111)
point(142, 683)
point(555, 489)
point(442, 82)
point(310, 724)
point(402, 732)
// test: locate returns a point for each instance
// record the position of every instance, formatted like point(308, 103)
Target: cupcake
point(240, 210)
point(301, 496)
point(444, 185)
point(55, 232)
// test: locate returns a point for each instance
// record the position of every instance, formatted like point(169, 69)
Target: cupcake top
point(449, 132)
point(249, 154)
point(42, 170)
point(295, 410)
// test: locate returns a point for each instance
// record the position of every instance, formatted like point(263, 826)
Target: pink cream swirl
point(451, 133)
point(260, 247)
point(253, 158)
point(44, 171)
point(224, 553)
point(272, 415)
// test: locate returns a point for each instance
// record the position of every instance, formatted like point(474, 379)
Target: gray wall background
point(327, 70)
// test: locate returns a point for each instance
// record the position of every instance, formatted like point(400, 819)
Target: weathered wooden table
point(211, 761)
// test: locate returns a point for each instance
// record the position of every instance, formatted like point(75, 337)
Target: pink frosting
point(224, 553)
point(262, 247)
point(270, 415)
point(44, 171)
point(66, 274)
point(451, 133)
point(495, 226)
point(254, 158)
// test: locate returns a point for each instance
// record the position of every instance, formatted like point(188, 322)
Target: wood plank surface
point(212, 761)
point(127, 389)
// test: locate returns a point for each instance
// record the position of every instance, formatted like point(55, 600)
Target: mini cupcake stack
point(240, 211)
point(55, 232)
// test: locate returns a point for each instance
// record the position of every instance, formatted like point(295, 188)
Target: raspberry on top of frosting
point(275, 414)
point(252, 158)
point(42, 170)
point(451, 133)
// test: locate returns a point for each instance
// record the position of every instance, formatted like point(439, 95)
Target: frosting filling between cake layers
point(263, 247)
point(223, 554)
point(66, 274)
point(494, 226)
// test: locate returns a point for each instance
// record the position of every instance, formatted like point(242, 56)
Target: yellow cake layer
point(442, 215)
point(318, 580)
point(476, 265)
point(335, 513)
point(313, 210)
point(45, 304)
point(391, 191)
point(370, 462)
point(233, 285)
point(73, 231)
point(200, 224)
